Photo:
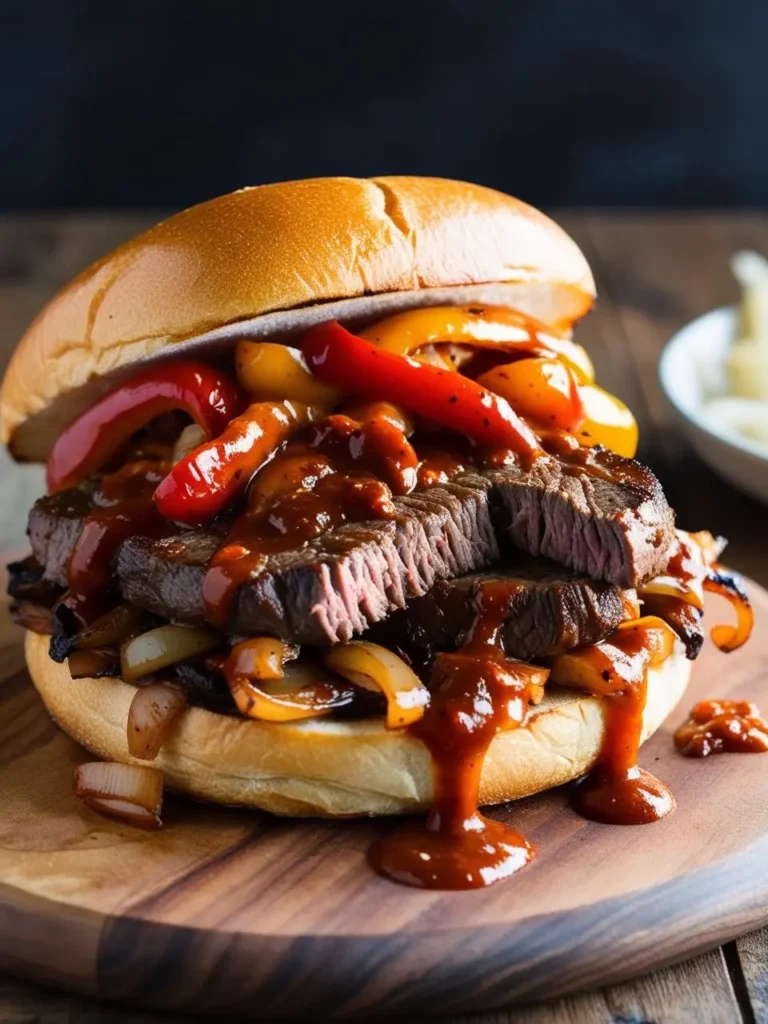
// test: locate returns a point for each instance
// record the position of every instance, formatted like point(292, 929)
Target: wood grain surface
point(654, 273)
point(212, 912)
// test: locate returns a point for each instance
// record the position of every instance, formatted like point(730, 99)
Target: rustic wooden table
point(654, 273)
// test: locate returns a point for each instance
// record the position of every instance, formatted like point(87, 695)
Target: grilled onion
point(368, 412)
point(264, 657)
point(112, 628)
point(297, 695)
point(132, 793)
point(92, 662)
point(729, 586)
point(163, 646)
point(375, 668)
point(33, 616)
point(154, 709)
point(191, 437)
point(604, 668)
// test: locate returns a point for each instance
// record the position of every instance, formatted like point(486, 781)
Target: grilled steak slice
point(548, 610)
point(333, 587)
point(54, 525)
point(610, 521)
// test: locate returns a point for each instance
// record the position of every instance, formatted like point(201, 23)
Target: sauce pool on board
point(723, 727)
point(617, 791)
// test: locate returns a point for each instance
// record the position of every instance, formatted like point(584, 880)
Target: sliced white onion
point(132, 793)
point(375, 668)
point(190, 438)
point(154, 709)
point(163, 646)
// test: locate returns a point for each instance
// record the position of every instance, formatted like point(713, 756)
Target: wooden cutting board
point(227, 910)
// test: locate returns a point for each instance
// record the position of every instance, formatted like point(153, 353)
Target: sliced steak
point(54, 525)
point(548, 610)
point(331, 588)
point(610, 521)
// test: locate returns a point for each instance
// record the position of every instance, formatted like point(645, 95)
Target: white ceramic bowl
point(691, 372)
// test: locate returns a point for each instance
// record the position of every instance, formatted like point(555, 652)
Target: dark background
point(587, 102)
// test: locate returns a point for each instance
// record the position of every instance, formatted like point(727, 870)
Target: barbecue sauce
point(677, 595)
point(723, 727)
point(617, 791)
point(476, 693)
point(340, 470)
point(123, 507)
point(290, 521)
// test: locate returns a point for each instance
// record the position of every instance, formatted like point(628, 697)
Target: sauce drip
point(290, 521)
point(124, 506)
point(476, 693)
point(340, 470)
point(723, 727)
point(378, 447)
point(617, 791)
point(575, 459)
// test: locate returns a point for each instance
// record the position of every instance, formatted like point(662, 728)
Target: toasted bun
point(271, 260)
point(324, 768)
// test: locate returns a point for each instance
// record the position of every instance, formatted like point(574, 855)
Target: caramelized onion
point(163, 646)
point(297, 695)
point(366, 412)
point(112, 628)
point(154, 709)
point(132, 793)
point(604, 667)
point(191, 437)
point(93, 661)
point(35, 617)
point(263, 657)
point(375, 668)
point(536, 693)
point(729, 586)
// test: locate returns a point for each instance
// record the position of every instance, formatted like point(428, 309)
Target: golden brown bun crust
point(325, 768)
point(270, 259)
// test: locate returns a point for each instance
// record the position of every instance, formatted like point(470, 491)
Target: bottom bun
point(330, 768)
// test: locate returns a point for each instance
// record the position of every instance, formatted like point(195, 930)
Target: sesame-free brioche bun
point(334, 768)
point(270, 261)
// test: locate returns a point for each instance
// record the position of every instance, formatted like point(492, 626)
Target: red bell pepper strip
point(359, 367)
point(206, 481)
point(209, 397)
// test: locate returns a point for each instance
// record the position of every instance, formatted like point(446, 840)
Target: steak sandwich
point(338, 522)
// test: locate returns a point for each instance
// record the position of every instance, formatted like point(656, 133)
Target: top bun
point(271, 260)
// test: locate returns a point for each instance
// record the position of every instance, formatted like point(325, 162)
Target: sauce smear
point(723, 727)
point(617, 791)
point(476, 693)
